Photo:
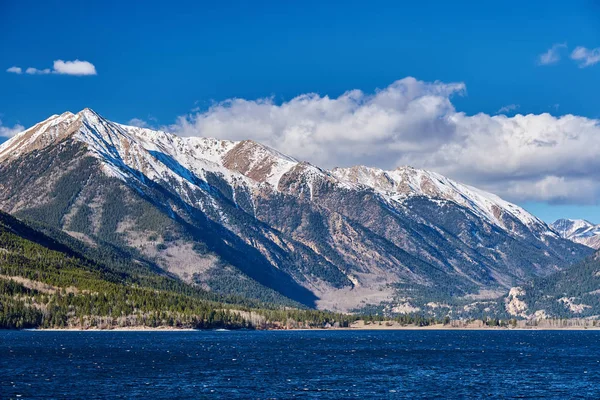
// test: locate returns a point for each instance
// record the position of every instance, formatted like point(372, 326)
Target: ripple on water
point(313, 364)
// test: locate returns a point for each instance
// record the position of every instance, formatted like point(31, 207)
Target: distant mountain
point(242, 218)
point(579, 231)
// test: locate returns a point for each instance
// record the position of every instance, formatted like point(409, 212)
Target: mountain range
point(240, 218)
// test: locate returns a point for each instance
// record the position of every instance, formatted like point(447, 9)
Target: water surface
point(300, 364)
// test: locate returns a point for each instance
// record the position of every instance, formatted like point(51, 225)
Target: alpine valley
point(241, 219)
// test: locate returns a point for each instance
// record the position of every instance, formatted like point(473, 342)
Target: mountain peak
point(578, 231)
point(403, 168)
point(568, 226)
point(88, 112)
point(258, 162)
point(90, 117)
point(66, 114)
point(39, 136)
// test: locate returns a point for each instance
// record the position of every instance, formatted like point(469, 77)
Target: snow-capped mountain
point(240, 217)
point(579, 231)
point(248, 163)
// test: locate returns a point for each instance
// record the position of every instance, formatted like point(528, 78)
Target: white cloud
point(7, 132)
point(408, 114)
point(524, 157)
point(586, 57)
point(140, 123)
point(552, 56)
point(77, 68)
point(35, 71)
point(74, 67)
point(508, 108)
point(556, 189)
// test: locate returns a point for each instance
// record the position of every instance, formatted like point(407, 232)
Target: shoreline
point(362, 328)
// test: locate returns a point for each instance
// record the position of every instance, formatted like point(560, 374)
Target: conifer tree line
point(45, 288)
point(46, 284)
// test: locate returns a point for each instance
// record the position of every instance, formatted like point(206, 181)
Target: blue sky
point(157, 61)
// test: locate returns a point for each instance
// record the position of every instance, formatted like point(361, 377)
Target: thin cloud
point(411, 122)
point(140, 123)
point(35, 71)
point(552, 56)
point(508, 108)
point(586, 57)
point(60, 67)
point(8, 132)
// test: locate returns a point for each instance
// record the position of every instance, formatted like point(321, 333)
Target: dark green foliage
point(579, 283)
point(223, 279)
point(77, 291)
point(64, 193)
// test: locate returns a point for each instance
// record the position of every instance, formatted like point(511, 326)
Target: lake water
point(304, 364)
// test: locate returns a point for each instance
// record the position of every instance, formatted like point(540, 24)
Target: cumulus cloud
point(552, 56)
point(411, 122)
point(7, 131)
point(525, 157)
point(77, 68)
point(586, 57)
point(74, 67)
point(357, 127)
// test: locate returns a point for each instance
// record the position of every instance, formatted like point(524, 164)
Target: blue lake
point(304, 364)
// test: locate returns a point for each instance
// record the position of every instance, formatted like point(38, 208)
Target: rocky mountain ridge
point(242, 217)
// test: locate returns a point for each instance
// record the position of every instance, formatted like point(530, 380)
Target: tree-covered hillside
point(47, 283)
point(574, 292)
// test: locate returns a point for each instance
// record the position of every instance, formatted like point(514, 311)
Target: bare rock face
point(242, 218)
point(515, 306)
point(257, 162)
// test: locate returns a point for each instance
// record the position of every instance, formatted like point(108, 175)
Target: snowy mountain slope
point(223, 213)
point(404, 182)
point(579, 231)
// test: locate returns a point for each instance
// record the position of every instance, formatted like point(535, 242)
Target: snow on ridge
point(407, 181)
point(159, 154)
point(279, 162)
point(40, 135)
